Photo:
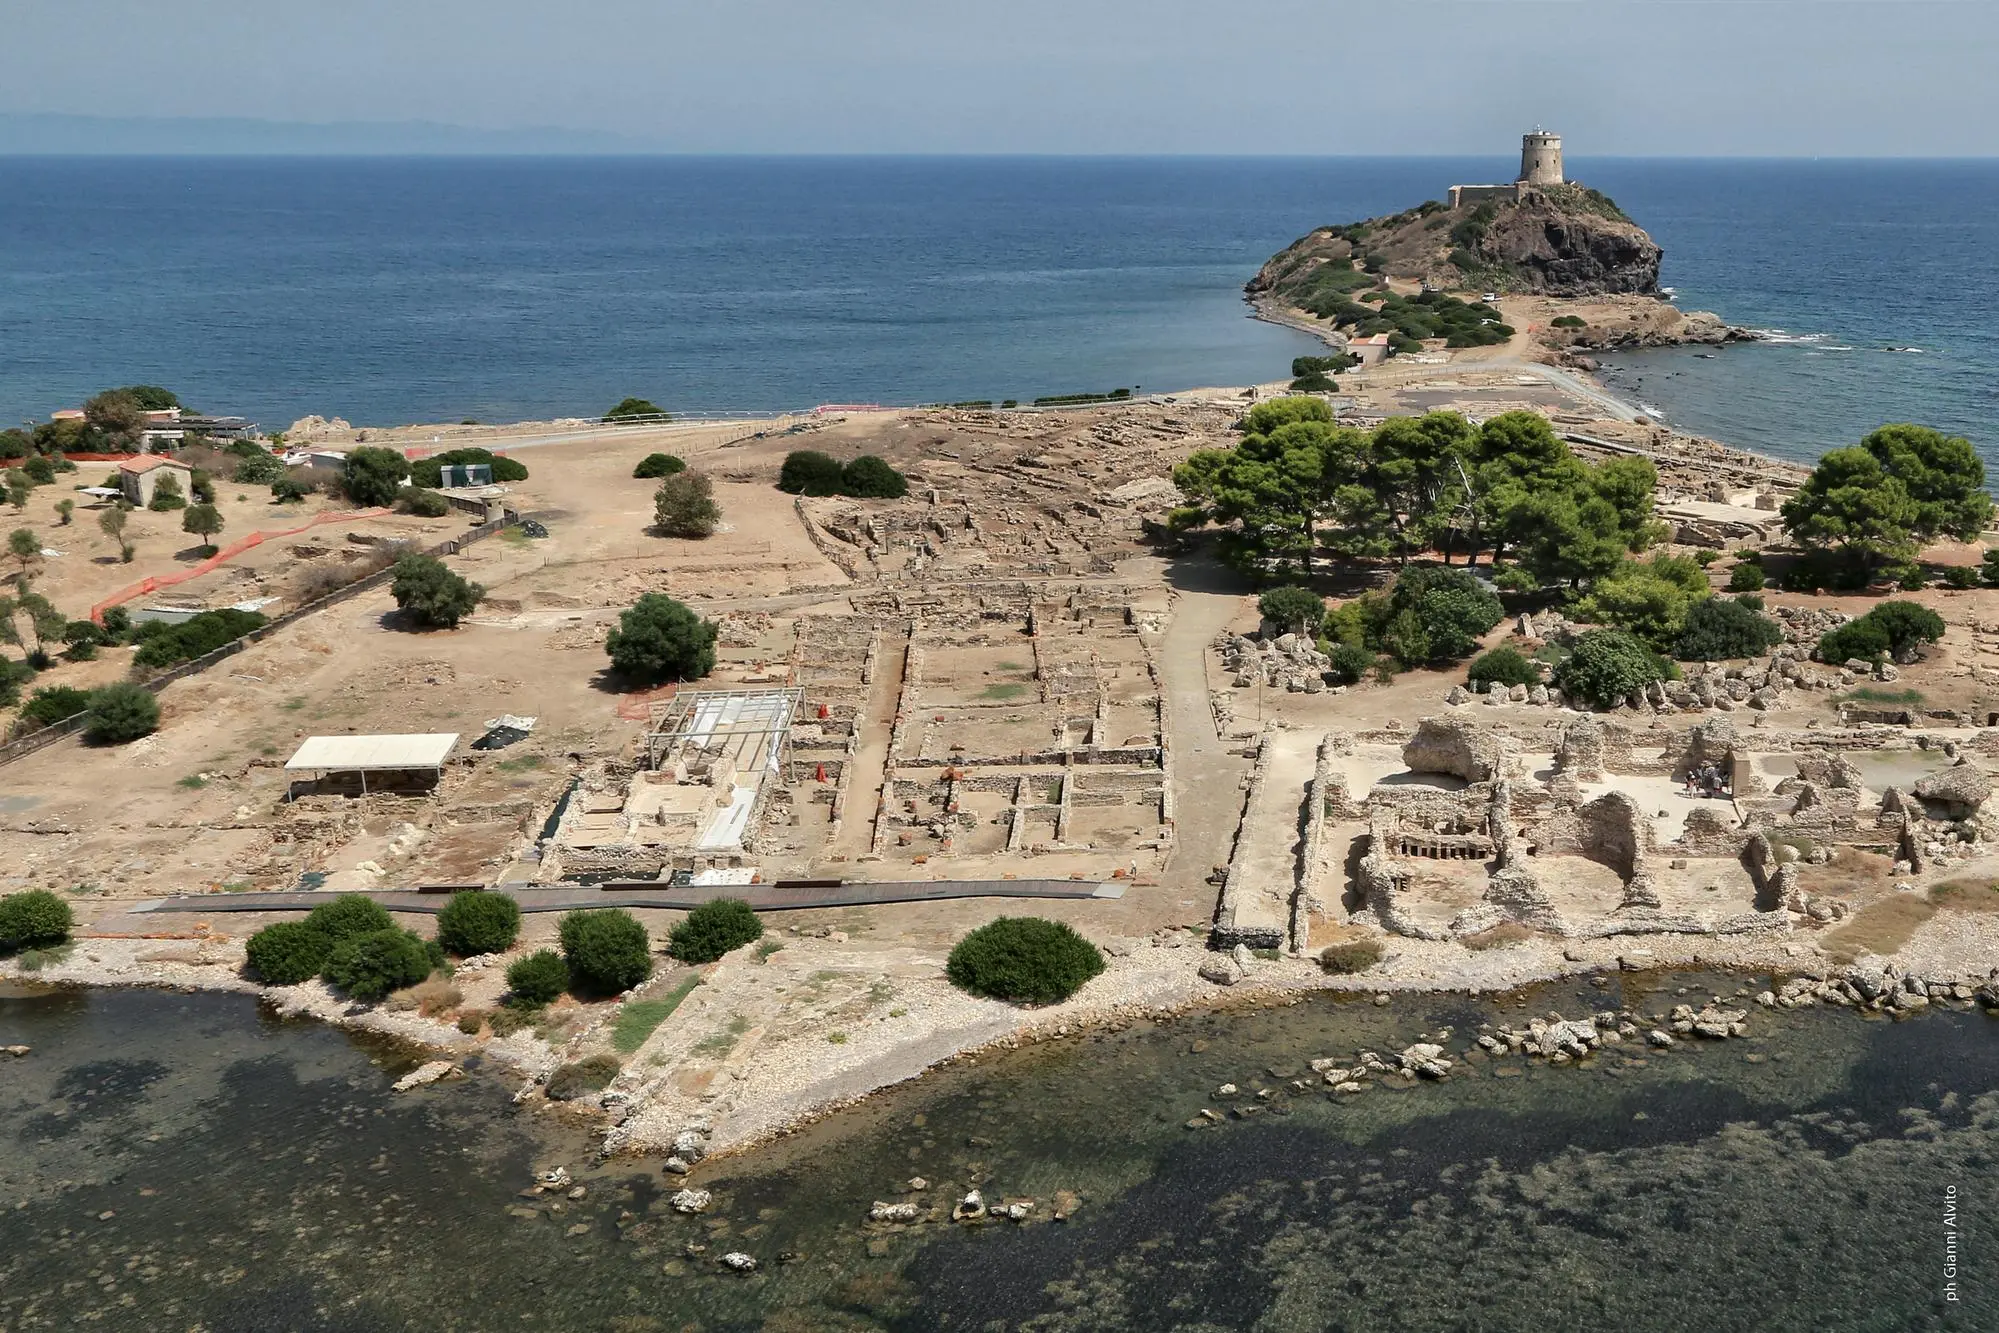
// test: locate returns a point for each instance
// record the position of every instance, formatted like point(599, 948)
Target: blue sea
point(397, 290)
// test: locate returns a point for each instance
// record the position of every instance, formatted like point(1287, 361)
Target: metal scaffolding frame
point(750, 727)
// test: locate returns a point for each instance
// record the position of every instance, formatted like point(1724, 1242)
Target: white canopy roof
point(372, 753)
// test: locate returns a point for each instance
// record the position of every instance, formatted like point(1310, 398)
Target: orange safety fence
point(153, 583)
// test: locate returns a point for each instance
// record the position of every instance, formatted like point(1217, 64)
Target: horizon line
point(941, 155)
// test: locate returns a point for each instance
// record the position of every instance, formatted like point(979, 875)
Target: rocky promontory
point(1556, 240)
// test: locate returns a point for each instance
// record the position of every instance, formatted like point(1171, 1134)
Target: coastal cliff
point(1557, 240)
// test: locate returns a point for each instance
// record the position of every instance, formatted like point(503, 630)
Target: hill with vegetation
point(1561, 240)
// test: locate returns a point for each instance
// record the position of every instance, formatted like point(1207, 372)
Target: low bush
point(1960, 576)
point(1720, 630)
point(432, 595)
point(36, 919)
point(713, 929)
point(289, 490)
point(287, 953)
point(536, 979)
point(430, 471)
point(1293, 610)
point(1023, 959)
point(1607, 667)
point(684, 506)
point(659, 465)
point(1988, 572)
point(1896, 628)
point(1350, 956)
point(509, 1019)
point(582, 1077)
point(1507, 665)
point(348, 916)
point(423, 503)
point(1745, 578)
point(1858, 639)
point(121, 712)
point(809, 472)
point(607, 950)
point(368, 967)
point(870, 478)
point(478, 922)
point(1349, 664)
point(52, 704)
point(199, 635)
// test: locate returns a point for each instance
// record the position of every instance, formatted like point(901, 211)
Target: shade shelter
point(398, 762)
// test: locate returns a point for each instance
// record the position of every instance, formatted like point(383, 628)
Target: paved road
point(763, 897)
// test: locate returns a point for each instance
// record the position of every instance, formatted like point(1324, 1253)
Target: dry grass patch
point(1966, 895)
point(1879, 928)
point(1502, 936)
point(430, 997)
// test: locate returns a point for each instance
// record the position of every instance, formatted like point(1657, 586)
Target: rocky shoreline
point(1151, 981)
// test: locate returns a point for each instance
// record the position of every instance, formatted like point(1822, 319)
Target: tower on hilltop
point(1540, 158)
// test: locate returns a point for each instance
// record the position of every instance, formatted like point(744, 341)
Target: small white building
point(139, 477)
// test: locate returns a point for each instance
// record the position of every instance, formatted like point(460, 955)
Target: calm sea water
point(176, 1161)
point(389, 291)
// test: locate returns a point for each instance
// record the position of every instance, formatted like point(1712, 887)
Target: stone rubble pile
point(1704, 686)
point(1292, 662)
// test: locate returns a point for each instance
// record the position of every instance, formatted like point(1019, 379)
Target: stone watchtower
point(1540, 158)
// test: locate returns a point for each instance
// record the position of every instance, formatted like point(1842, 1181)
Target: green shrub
point(258, 469)
point(635, 407)
point(538, 978)
point(348, 916)
point(1705, 558)
point(1840, 570)
point(367, 967)
point(1293, 610)
point(1349, 664)
point(1023, 959)
point(478, 922)
point(809, 472)
point(582, 1077)
point(430, 471)
point(1752, 600)
point(1895, 628)
point(1607, 667)
point(1438, 614)
point(659, 465)
point(167, 494)
point(430, 594)
point(1862, 639)
point(423, 503)
point(1745, 577)
point(1907, 624)
point(52, 704)
point(201, 634)
point(1505, 664)
point(287, 953)
point(1989, 571)
point(1351, 956)
point(121, 712)
point(607, 950)
point(684, 506)
point(289, 490)
point(712, 929)
point(1515, 579)
point(1960, 576)
point(373, 476)
point(1718, 629)
point(36, 919)
point(660, 639)
point(869, 478)
point(1909, 578)
point(1569, 322)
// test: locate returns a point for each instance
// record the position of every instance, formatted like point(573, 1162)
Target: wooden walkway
point(643, 893)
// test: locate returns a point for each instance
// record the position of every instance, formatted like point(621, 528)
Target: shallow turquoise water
point(259, 1175)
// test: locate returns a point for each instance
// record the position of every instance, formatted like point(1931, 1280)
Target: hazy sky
point(1848, 77)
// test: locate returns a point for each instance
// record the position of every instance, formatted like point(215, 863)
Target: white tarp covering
point(372, 753)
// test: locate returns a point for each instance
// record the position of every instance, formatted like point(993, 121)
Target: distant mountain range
point(63, 135)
